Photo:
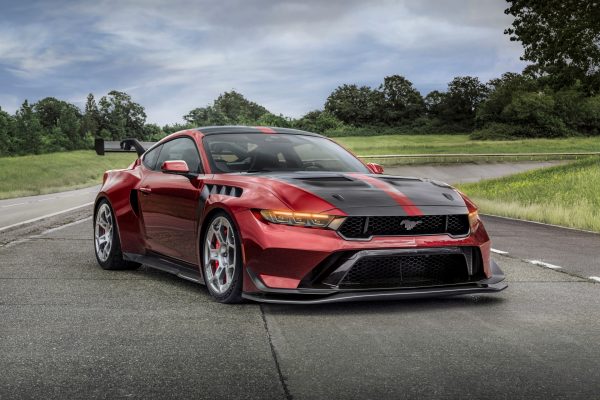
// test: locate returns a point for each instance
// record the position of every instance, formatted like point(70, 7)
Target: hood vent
point(332, 181)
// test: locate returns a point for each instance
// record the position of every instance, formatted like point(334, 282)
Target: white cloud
point(288, 55)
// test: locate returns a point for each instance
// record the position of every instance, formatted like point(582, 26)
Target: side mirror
point(375, 168)
point(175, 167)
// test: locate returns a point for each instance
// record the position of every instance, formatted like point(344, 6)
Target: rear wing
point(126, 145)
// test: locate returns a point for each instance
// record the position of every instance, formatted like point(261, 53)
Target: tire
point(222, 259)
point(107, 244)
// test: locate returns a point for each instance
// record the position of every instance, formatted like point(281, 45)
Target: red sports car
point(286, 216)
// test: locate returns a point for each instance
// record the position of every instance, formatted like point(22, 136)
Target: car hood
point(365, 194)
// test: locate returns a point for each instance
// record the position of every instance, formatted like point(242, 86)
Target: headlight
point(474, 220)
point(302, 219)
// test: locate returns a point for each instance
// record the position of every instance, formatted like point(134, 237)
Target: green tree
point(6, 130)
point(121, 116)
point(28, 137)
point(61, 122)
point(561, 38)
point(318, 121)
point(168, 129)
point(269, 119)
point(501, 93)
point(153, 132)
point(402, 103)
point(464, 95)
point(590, 116)
point(91, 117)
point(236, 107)
point(207, 116)
point(355, 105)
point(230, 108)
point(434, 103)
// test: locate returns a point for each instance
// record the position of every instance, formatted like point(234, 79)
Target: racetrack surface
point(466, 173)
point(72, 330)
point(571, 250)
point(19, 210)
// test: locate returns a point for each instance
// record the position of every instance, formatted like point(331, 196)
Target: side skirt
point(157, 261)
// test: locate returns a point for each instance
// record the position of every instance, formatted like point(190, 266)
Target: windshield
point(259, 152)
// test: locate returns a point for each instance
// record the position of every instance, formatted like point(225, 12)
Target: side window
point(150, 158)
point(180, 149)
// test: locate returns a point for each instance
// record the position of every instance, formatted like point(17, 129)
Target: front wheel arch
point(233, 294)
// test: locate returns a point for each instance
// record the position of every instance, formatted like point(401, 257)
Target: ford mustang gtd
point(286, 216)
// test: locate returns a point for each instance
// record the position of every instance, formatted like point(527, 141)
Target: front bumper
point(320, 296)
point(286, 264)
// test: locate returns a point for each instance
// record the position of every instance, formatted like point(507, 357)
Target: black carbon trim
point(167, 264)
point(320, 296)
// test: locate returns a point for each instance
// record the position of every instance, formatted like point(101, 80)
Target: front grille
point(406, 271)
point(365, 227)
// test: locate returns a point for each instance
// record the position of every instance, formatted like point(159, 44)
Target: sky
point(173, 56)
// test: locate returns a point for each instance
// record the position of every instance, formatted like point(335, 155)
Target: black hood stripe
point(409, 207)
point(348, 195)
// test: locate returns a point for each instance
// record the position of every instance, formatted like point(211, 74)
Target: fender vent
point(133, 201)
point(222, 190)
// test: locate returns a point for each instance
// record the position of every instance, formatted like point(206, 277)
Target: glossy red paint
point(165, 213)
point(175, 166)
point(375, 168)
point(292, 252)
point(265, 129)
point(279, 282)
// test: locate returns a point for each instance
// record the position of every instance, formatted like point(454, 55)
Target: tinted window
point(150, 157)
point(255, 152)
point(180, 149)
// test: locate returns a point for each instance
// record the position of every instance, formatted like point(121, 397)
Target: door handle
point(145, 190)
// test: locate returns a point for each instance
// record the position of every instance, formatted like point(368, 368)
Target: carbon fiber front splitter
point(314, 296)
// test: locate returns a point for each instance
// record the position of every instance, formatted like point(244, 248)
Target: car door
point(169, 202)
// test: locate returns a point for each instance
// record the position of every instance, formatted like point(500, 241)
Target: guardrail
point(457, 157)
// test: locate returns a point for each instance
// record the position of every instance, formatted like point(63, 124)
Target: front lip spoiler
point(493, 284)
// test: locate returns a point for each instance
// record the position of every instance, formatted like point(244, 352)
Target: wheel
point(221, 260)
point(106, 240)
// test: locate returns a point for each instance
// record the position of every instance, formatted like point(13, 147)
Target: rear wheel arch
point(114, 258)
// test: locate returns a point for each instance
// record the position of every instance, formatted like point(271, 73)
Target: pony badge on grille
point(408, 224)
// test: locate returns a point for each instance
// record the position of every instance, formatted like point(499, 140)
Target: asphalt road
point(72, 330)
point(23, 209)
point(571, 250)
point(16, 211)
point(464, 173)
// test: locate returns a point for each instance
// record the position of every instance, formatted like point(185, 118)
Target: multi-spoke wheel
point(222, 260)
point(106, 239)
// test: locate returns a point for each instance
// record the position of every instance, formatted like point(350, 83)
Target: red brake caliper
point(216, 262)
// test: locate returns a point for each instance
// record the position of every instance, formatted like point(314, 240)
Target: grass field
point(30, 175)
point(567, 195)
point(55, 172)
point(460, 144)
point(444, 144)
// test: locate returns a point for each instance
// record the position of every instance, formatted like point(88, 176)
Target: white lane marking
point(499, 251)
point(45, 216)
point(12, 205)
point(544, 264)
point(595, 278)
point(58, 228)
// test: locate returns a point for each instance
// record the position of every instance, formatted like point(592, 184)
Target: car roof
point(233, 129)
